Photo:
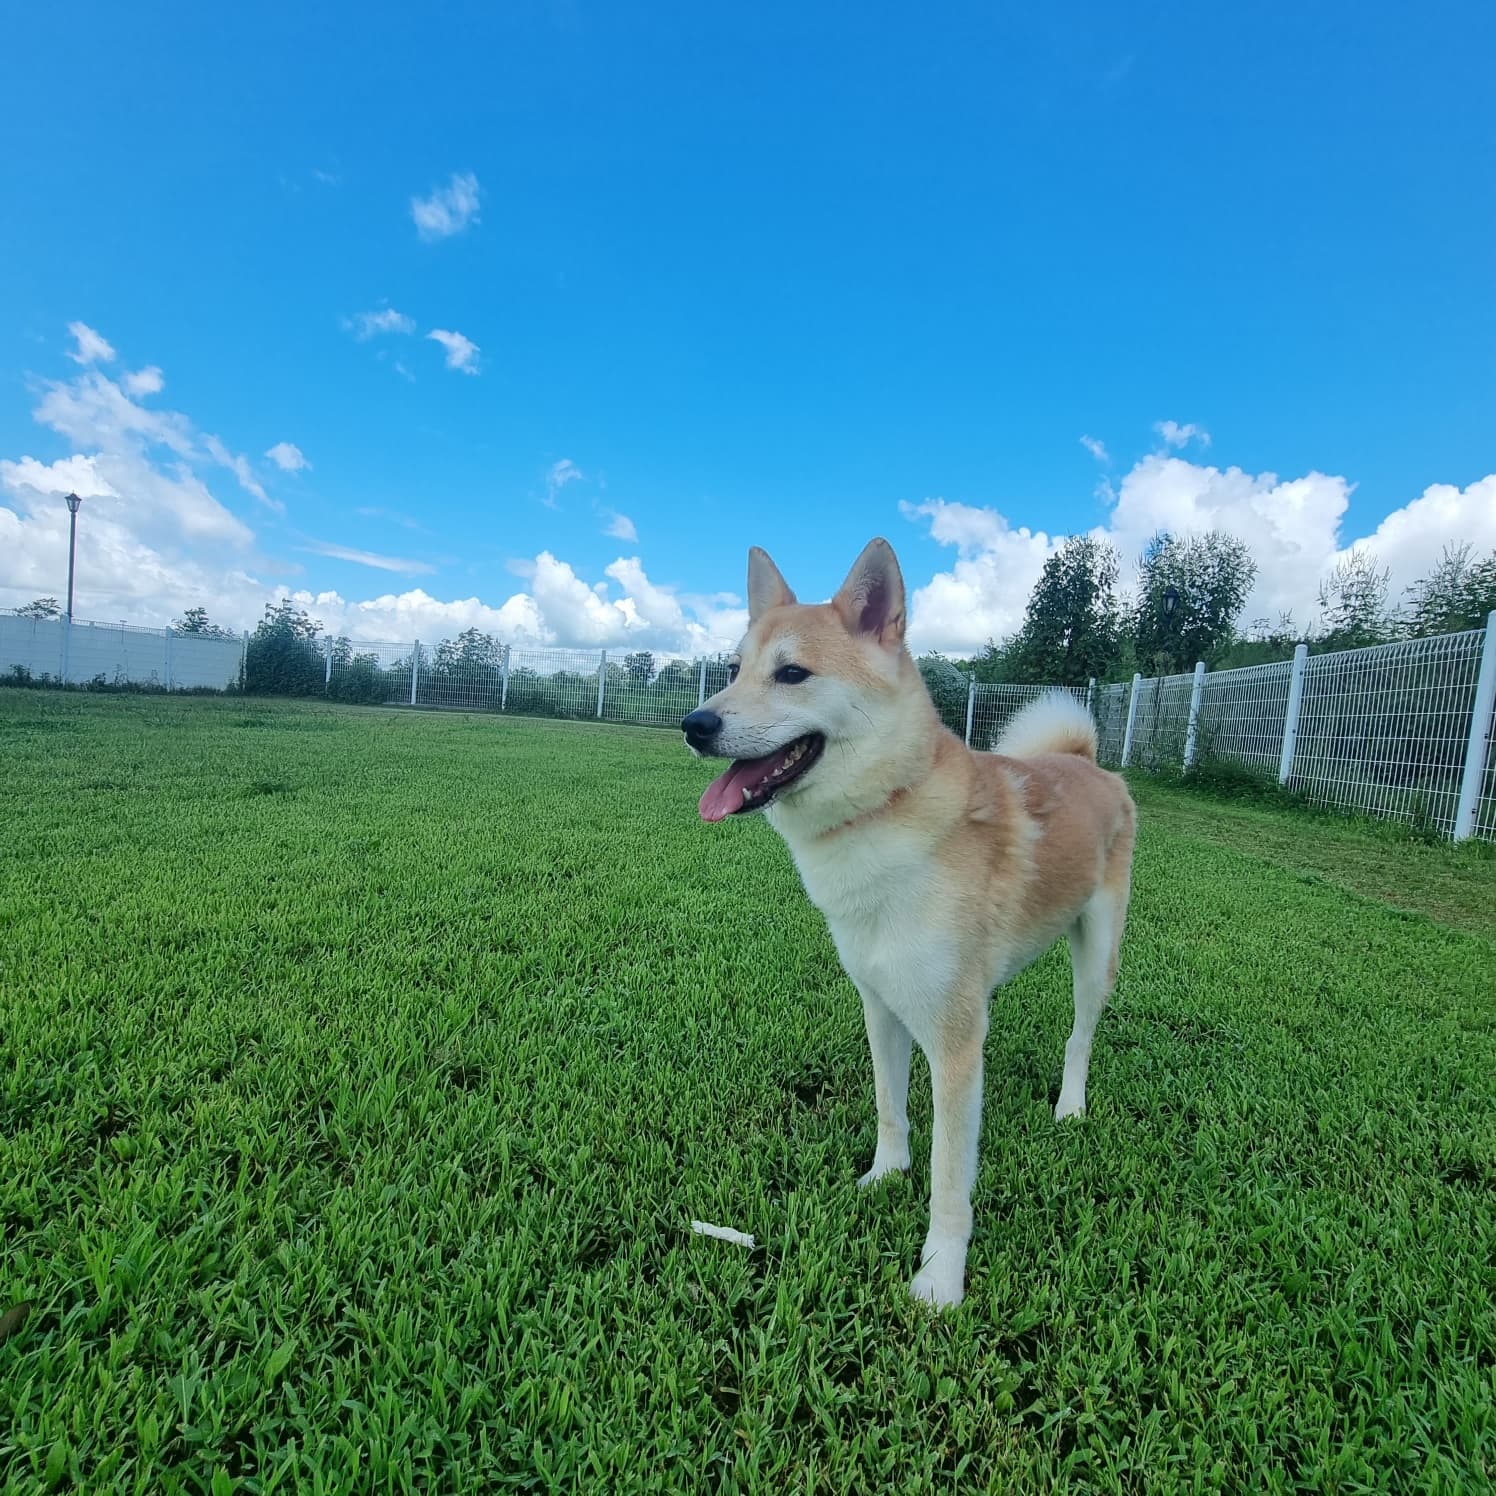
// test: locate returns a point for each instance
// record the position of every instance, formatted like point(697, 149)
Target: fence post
point(415, 670)
point(701, 683)
point(327, 674)
point(1191, 731)
point(602, 679)
point(504, 679)
point(67, 648)
point(244, 662)
point(168, 657)
point(1091, 696)
point(1480, 736)
point(1291, 716)
point(1132, 716)
point(971, 706)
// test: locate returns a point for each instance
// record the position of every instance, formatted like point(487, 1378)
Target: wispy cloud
point(146, 381)
point(288, 457)
point(621, 527)
point(449, 210)
point(462, 353)
point(366, 325)
point(239, 466)
point(1175, 435)
point(374, 511)
point(93, 347)
point(401, 564)
point(1096, 448)
point(560, 474)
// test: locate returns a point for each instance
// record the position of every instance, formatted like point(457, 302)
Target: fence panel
point(368, 674)
point(650, 692)
point(1111, 721)
point(1161, 721)
point(1384, 730)
point(997, 704)
point(31, 646)
point(116, 654)
point(1242, 714)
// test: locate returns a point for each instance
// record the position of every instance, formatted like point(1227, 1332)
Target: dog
point(941, 872)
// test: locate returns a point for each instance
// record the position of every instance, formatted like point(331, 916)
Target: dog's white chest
point(886, 912)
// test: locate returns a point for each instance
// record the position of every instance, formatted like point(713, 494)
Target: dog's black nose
point(700, 727)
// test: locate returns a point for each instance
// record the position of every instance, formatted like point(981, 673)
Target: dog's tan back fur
point(941, 871)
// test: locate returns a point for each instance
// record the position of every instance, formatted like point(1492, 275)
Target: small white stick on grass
point(722, 1233)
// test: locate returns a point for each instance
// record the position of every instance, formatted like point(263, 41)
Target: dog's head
point(814, 690)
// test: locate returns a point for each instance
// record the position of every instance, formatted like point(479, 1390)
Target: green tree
point(639, 667)
point(1212, 574)
point(1353, 604)
point(1070, 628)
point(1459, 593)
point(41, 607)
point(284, 657)
point(195, 621)
point(470, 655)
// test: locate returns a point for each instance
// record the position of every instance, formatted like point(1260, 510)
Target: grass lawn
point(362, 1071)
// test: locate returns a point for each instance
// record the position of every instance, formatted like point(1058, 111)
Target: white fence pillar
point(1091, 696)
point(169, 633)
point(1480, 736)
point(415, 670)
point(327, 673)
point(1132, 716)
point(1291, 716)
point(1192, 730)
point(602, 681)
point(244, 662)
point(971, 707)
point(504, 679)
point(701, 683)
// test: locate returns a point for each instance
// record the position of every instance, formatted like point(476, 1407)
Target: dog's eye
point(791, 675)
point(732, 671)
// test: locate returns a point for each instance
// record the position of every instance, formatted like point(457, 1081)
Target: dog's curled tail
point(1053, 723)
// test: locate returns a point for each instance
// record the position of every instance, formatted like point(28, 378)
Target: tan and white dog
point(942, 872)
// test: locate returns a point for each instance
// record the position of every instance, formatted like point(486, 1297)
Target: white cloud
point(288, 457)
point(366, 325)
point(1175, 435)
point(92, 347)
point(146, 381)
point(982, 597)
point(369, 558)
point(1293, 527)
point(560, 474)
point(462, 353)
point(621, 527)
point(449, 210)
point(239, 466)
point(1096, 448)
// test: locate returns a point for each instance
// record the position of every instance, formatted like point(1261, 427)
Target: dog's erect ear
point(871, 600)
point(766, 588)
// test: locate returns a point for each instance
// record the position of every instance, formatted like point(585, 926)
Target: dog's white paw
point(884, 1164)
point(1069, 1106)
point(940, 1285)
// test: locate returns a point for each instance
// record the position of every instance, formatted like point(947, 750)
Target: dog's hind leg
point(955, 1055)
point(1094, 941)
point(890, 1044)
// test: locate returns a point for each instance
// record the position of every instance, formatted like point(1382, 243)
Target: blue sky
point(776, 274)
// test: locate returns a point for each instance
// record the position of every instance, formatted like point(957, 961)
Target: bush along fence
point(1402, 731)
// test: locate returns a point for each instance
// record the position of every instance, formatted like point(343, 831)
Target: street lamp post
point(1170, 602)
point(73, 502)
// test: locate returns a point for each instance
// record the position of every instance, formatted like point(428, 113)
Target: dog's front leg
point(955, 1055)
point(890, 1044)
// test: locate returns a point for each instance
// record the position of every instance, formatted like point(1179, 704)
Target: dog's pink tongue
point(725, 793)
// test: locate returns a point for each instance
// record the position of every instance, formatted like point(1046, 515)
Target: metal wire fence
point(1403, 730)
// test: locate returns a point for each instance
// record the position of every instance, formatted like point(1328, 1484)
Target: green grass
point(362, 1072)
